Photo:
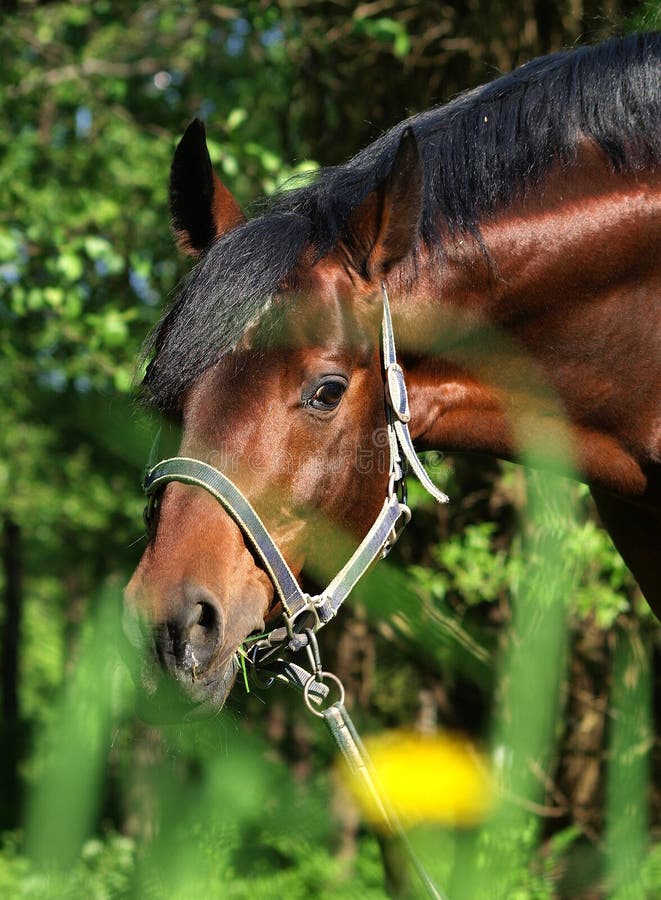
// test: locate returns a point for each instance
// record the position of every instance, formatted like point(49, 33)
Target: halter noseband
point(302, 612)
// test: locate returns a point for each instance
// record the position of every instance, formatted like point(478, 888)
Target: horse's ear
point(384, 228)
point(201, 206)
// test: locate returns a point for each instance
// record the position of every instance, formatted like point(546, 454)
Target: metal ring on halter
point(301, 622)
point(320, 676)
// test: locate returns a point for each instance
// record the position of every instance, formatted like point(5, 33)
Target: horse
point(515, 230)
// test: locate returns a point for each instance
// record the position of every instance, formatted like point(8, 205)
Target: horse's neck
point(556, 332)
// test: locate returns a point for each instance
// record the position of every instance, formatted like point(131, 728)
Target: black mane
point(480, 151)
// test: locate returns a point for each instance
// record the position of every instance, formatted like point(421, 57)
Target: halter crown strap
point(300, 610)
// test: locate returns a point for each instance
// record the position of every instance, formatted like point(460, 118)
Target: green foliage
point(91, 108)
point(479, 572)
point(93, 99)
point(477, 565)
point(385, 30)
point(231, 821)
point(102, 871)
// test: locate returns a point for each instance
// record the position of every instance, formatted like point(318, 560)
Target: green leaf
point(70, 265)
point(114, 329)
point(402, 44)
point(9, 246)
point(123, 379)
point(229, 165)
point(54, 297)
point(236, 118)
point(97, 247)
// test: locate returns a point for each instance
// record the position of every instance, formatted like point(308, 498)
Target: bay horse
point(516, 231)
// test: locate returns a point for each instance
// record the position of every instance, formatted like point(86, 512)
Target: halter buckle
point(396, 392)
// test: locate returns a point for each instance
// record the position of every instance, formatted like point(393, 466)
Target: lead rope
point(345, 735)
point(348, 740)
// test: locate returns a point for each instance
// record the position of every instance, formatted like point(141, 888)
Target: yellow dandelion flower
point(439, 778)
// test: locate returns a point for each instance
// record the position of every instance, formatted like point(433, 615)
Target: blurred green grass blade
point(531, 676)
point(628, 777)
point(75, 747)
point(225, 811)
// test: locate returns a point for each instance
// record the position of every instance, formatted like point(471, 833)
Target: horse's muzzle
point(179, 665)
point(188, 641)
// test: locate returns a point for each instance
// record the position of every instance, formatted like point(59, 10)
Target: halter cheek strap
point(300, 611)
point(398, 413)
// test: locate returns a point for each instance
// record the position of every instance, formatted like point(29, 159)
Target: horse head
point(270, 361)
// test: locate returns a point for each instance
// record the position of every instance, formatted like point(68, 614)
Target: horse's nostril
point(204, 631)
point(187, 642)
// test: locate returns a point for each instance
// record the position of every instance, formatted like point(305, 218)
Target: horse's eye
point(328, 395)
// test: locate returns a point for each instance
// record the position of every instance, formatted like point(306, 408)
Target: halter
point(304, 614)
